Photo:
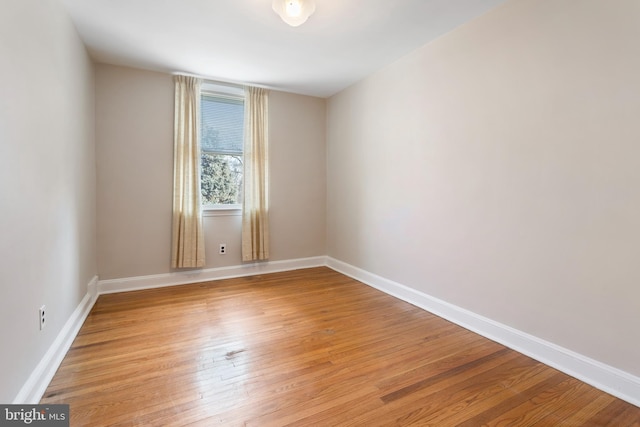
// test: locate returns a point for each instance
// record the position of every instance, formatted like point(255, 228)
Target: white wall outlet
point(223, 249)
point(43, 316)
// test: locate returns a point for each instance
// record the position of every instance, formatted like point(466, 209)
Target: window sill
point(222, 210)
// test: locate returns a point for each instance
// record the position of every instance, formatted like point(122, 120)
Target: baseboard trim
point(604, 377)
point(32, 391)
point(204, 275)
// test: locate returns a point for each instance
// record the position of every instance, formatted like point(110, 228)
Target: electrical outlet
point(43, 317)
point(223, 249)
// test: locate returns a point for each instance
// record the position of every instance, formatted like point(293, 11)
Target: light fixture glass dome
point(294, 12)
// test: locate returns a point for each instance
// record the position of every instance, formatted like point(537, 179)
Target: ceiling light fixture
point(294, 12)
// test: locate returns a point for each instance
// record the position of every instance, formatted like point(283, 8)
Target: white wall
point(134, 138)
point(496, 168)
point(47, 181)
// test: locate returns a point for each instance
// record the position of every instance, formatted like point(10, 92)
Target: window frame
point(233, 92)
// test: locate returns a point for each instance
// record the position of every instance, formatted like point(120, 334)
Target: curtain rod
point(222, 82)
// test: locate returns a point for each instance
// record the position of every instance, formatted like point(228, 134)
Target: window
point(221, 142)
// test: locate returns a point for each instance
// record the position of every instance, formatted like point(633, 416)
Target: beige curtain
point(188, 238)
point(255, 209)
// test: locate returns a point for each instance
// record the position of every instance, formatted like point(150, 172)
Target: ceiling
point(245, 41)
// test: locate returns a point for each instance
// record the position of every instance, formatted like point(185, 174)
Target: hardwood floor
point(311, 348)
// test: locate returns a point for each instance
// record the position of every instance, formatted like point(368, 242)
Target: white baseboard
point(32, 391)
point(604, 377)
point(195, 276)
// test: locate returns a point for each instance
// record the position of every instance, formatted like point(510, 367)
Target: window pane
point(221, 141)
point(221, 179)
point(222, 124)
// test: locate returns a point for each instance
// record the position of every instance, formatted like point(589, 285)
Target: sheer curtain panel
point(188, 238)
point(255, 209)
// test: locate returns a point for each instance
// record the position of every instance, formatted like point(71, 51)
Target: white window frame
point(222, 91)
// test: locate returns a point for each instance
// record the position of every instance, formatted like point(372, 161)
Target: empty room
point(320, 212)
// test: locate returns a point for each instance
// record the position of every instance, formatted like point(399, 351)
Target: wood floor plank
point(468, 386)
point(309, 347)
point(519, 396)
point(616, 413)
point(533, 411)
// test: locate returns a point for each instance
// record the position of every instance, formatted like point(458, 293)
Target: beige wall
point(297, 139)
point(134, 137)
point(134, 151)
point(497, 169)
point(47, 182)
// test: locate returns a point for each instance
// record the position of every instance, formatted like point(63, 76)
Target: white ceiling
point(244, 41)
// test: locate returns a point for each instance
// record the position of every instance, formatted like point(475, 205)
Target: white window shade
point(222, 124)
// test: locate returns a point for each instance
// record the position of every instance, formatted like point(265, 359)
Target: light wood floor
point(311, 348)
